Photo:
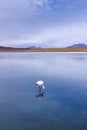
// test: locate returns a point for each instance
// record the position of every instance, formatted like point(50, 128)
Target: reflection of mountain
point(80, 45)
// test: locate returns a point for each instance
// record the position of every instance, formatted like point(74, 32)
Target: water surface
point(64, 104)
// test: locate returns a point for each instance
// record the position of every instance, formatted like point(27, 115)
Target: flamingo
point(41, 86)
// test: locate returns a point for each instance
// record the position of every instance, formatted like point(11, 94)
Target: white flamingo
point(40, 84)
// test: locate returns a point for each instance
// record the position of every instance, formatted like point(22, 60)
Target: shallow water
point(64, 103)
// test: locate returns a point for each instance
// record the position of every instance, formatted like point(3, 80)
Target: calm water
point(64, 104)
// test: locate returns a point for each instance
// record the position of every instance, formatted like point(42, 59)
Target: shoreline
point(45, 50)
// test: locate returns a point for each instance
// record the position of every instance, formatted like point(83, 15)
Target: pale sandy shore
point(46, 50)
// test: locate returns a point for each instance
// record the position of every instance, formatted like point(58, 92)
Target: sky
point(43, 23)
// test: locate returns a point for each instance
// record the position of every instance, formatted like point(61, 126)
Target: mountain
point(31, 47)
point(3, 47)
point(79, 45)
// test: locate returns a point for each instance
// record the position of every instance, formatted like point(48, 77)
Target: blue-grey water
point(64, 103)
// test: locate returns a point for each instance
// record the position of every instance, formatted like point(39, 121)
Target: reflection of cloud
point(49, 65)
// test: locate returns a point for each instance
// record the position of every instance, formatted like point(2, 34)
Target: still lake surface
point(64, 104)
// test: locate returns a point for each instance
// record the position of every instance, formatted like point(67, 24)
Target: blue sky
point(46, 23)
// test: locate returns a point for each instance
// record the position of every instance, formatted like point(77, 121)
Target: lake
point(64, 103)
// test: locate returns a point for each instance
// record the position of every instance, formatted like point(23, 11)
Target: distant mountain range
point(31, 47)
point(3, 47)
point(79, 45)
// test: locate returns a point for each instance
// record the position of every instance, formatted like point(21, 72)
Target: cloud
point(54, 36)
point(60, 36)
point(16, 7)
point(42, 22)
point(18, 15)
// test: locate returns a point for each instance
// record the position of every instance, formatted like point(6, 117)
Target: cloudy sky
point(46, 23)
